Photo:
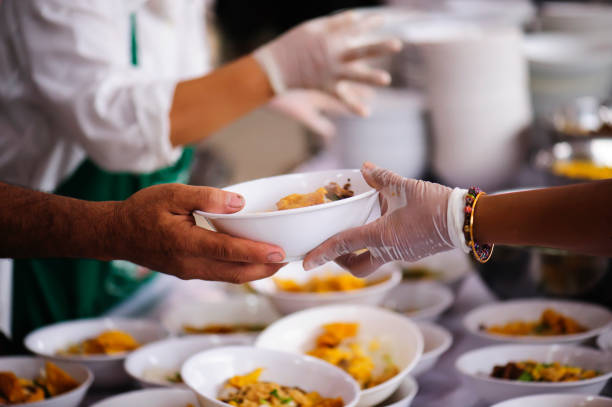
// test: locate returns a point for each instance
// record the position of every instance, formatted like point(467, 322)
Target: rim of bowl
point(414, 390)
point(394, 279)
point(420, 341)
point(546, 385)
point(444, 293)
point(86, 384)
point(447, 339)
point(90, 358)
point(544, 395)
point(312, 208)
point(532, 339)
point(127, 363)
point(601, 340)
point(310, 359)
point(140, 391)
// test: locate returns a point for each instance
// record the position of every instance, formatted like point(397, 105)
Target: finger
point(364, 23)
point(345, 92)
point(341, 20)
point(190, 198)
point(361, 73)
point(328, 104)
point(247, 272)
point(318, 123)
point(343, 243)
point(379, 178)
point(361, 265)
point(373, 50)
point(232, 249)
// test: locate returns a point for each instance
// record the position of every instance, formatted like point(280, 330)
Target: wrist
point(455, 219)
point(110, 230)
point(268, 64)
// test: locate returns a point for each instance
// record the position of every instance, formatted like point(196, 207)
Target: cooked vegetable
point(531, 371)
point(331, 192)
point(51, 382)
point(107, 343)
point(222, 329)
point(550, 323)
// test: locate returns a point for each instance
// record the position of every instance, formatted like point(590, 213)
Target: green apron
point(52, 290)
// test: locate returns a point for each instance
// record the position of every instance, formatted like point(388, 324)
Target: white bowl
point(594, 317)
point(151, 398)
point(107, 369)
point(151, 363)
point(30, 367)
point(423, 301)
point(476, 365)
point(206, 373)
point(246, 309)
point(296, 333)
point(437, 340)
point(557, 400)
point(300, 230)
point(287, 302)
point(604, 341)
point(404, 395)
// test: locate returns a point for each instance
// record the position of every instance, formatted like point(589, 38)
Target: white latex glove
point(311, 107)
point(326, 54)
point(418, 219)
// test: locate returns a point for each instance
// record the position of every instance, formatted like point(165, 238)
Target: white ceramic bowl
point(604, 341)
point(404, 395)
point(423, 301)
point(300, 230)
point(107, 369)
point(476, 366)
point(437, 340)
point(151, 398)
point(206, 373)
point(297, 332)
point(287, 302)
point(150, 364)
point(247, 309)
point(594, 317)
point(30, 367)
point(557, 400)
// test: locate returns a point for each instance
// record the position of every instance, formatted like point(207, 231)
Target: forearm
point(204, 105)
point(576, 217)
point(36, 224)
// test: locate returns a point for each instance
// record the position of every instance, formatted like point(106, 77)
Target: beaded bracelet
point(482, 252)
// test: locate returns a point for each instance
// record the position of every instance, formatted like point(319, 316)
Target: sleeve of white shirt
point(77, 53)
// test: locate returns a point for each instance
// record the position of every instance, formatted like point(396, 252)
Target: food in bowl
point(247, 391)
point(107, 343)
point(222, 329)
point(581, 169)
point(51, 382)
point(369, 365)
point(162, 375)
point(325, 283)
point(550, 323)
point(532, 371)
point(419, 273)
point(330, 193)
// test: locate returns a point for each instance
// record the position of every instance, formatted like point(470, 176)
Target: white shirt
point(68, 89)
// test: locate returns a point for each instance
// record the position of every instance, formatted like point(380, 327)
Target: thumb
point(343, 243)
point(207, 199)
point(379, 178)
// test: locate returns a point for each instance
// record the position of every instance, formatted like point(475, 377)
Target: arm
point(154, 228)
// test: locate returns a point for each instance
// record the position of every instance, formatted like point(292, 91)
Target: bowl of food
point(557, 400)
point(101, 344)
point(282, 210)
point(498, 373)
point(41, 383)
point(294, 289)
point(423, 301)
point(242, 375)
point(404, 395)
point(244, 316)
point(538, 321)
point(159, 363)
point(378, 347)
point(152, 398)
point(437, 340)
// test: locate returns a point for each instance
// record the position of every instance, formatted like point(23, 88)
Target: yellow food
point(581, 169)
point(337, 345)
point(550, 323)
point(247, 391)
point(221, 328)
point(322, 284)
point(53, 381)
point(531, 371)
point(107, 343)
point(331, 192)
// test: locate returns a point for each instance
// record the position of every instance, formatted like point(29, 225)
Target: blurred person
point(421, 218)
point(99, 98)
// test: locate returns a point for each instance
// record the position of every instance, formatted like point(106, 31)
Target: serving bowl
point(475, 367)
point(425, 301)
point(151, 398)
point(404, 395)
point(152, 364)
point(30, 367)
point(593, 317)
point(206, 373)
point(299, 230)
point(437, 340)
point(557, 400)
point(604, 341)
point(107, 369)
point(287, 302)
point(252, 310)
point(398, 335)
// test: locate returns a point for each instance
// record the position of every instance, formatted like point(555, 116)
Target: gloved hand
point(325, 54)
point(418, 219)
